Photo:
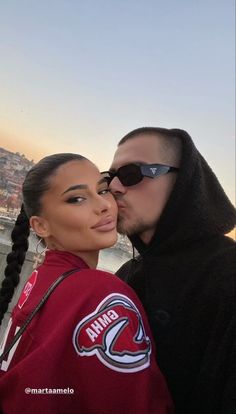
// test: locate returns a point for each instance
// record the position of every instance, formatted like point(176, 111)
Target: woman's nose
point(102, 204)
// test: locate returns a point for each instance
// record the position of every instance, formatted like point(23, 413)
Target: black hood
point(197, 208)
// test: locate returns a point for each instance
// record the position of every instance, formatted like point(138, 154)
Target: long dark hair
point(36, 182)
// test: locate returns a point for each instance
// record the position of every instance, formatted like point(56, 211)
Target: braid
point(15, 260)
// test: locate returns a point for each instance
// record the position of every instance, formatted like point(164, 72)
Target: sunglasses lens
point(129, 174)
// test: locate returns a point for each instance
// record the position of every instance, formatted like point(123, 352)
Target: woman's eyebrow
point(76, 187)
point(82, 186)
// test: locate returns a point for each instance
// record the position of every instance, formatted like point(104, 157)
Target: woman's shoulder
point(95, 279)
point(88, 294)
point(94, 287)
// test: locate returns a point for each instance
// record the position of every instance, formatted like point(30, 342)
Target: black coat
point(186, 280)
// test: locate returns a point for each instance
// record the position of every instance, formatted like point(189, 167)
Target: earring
point(38, 258)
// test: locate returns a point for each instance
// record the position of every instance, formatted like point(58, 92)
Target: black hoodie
point(186, 279)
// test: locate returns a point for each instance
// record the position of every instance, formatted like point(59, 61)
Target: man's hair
point(170, 143)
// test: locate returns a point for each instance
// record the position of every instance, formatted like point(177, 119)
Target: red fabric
point(91, 336)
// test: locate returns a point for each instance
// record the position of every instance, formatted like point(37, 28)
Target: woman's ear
point(40, 226)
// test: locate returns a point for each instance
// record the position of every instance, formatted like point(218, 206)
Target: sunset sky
point(75, 76)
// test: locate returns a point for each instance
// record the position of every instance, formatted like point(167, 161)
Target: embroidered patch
point(27, 289)
point(114, 332)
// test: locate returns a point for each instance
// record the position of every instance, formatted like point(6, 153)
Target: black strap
point(38, 307)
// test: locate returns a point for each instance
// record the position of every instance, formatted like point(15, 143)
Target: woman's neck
point(90, 258)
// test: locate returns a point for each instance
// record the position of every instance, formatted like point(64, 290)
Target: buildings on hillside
point(13, 168)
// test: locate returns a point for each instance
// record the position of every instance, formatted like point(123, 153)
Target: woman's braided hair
point(36, 182)
point(15, 260)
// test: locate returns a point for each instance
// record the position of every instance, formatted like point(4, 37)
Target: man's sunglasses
point(132, 174)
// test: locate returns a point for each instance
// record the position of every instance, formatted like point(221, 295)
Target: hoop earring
point(38, 258)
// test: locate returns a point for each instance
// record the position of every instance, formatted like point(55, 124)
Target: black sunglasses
point(132, 174)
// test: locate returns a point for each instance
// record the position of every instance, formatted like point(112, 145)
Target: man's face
point(141, 205)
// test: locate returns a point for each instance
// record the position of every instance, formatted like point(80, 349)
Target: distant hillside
point(13, 167)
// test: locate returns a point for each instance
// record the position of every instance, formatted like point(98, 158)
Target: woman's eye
point(105, 191)
point(74, 200)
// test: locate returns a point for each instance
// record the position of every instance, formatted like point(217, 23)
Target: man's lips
point(105, 224)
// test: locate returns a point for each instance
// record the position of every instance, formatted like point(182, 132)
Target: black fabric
point(186, 280)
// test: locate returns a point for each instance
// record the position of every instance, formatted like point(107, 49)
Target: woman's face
point(78, 212)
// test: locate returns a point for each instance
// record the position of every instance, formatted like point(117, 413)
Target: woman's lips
point(105, 225)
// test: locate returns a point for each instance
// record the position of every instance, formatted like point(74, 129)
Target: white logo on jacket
point(115, 334)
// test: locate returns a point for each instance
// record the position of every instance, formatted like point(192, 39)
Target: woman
point(90, 342)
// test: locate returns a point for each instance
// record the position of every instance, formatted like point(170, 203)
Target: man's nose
point(116, 186)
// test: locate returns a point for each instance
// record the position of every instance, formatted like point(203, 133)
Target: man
point(176, 215)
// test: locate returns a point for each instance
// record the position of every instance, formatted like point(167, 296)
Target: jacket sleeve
point(229, 388)
point(216, 382)
point(225, 267)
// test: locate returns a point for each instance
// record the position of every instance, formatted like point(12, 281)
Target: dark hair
point(36, 182)
point(146, 130)
point(170, 142)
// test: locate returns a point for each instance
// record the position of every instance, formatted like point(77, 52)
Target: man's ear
point(40, 225)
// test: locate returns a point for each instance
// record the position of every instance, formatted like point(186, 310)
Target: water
point(112, 259)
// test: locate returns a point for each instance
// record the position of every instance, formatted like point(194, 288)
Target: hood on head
point(198, 206)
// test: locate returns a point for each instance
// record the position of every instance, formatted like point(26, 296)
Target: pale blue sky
point(77, 75)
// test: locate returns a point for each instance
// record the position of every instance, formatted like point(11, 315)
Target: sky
point(76, 76)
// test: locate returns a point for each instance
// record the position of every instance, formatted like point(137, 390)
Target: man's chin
point(124, 229)
point(121, 228)
point(136, 229)
point(121, 231)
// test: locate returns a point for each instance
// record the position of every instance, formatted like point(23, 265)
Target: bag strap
point(36, 309)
